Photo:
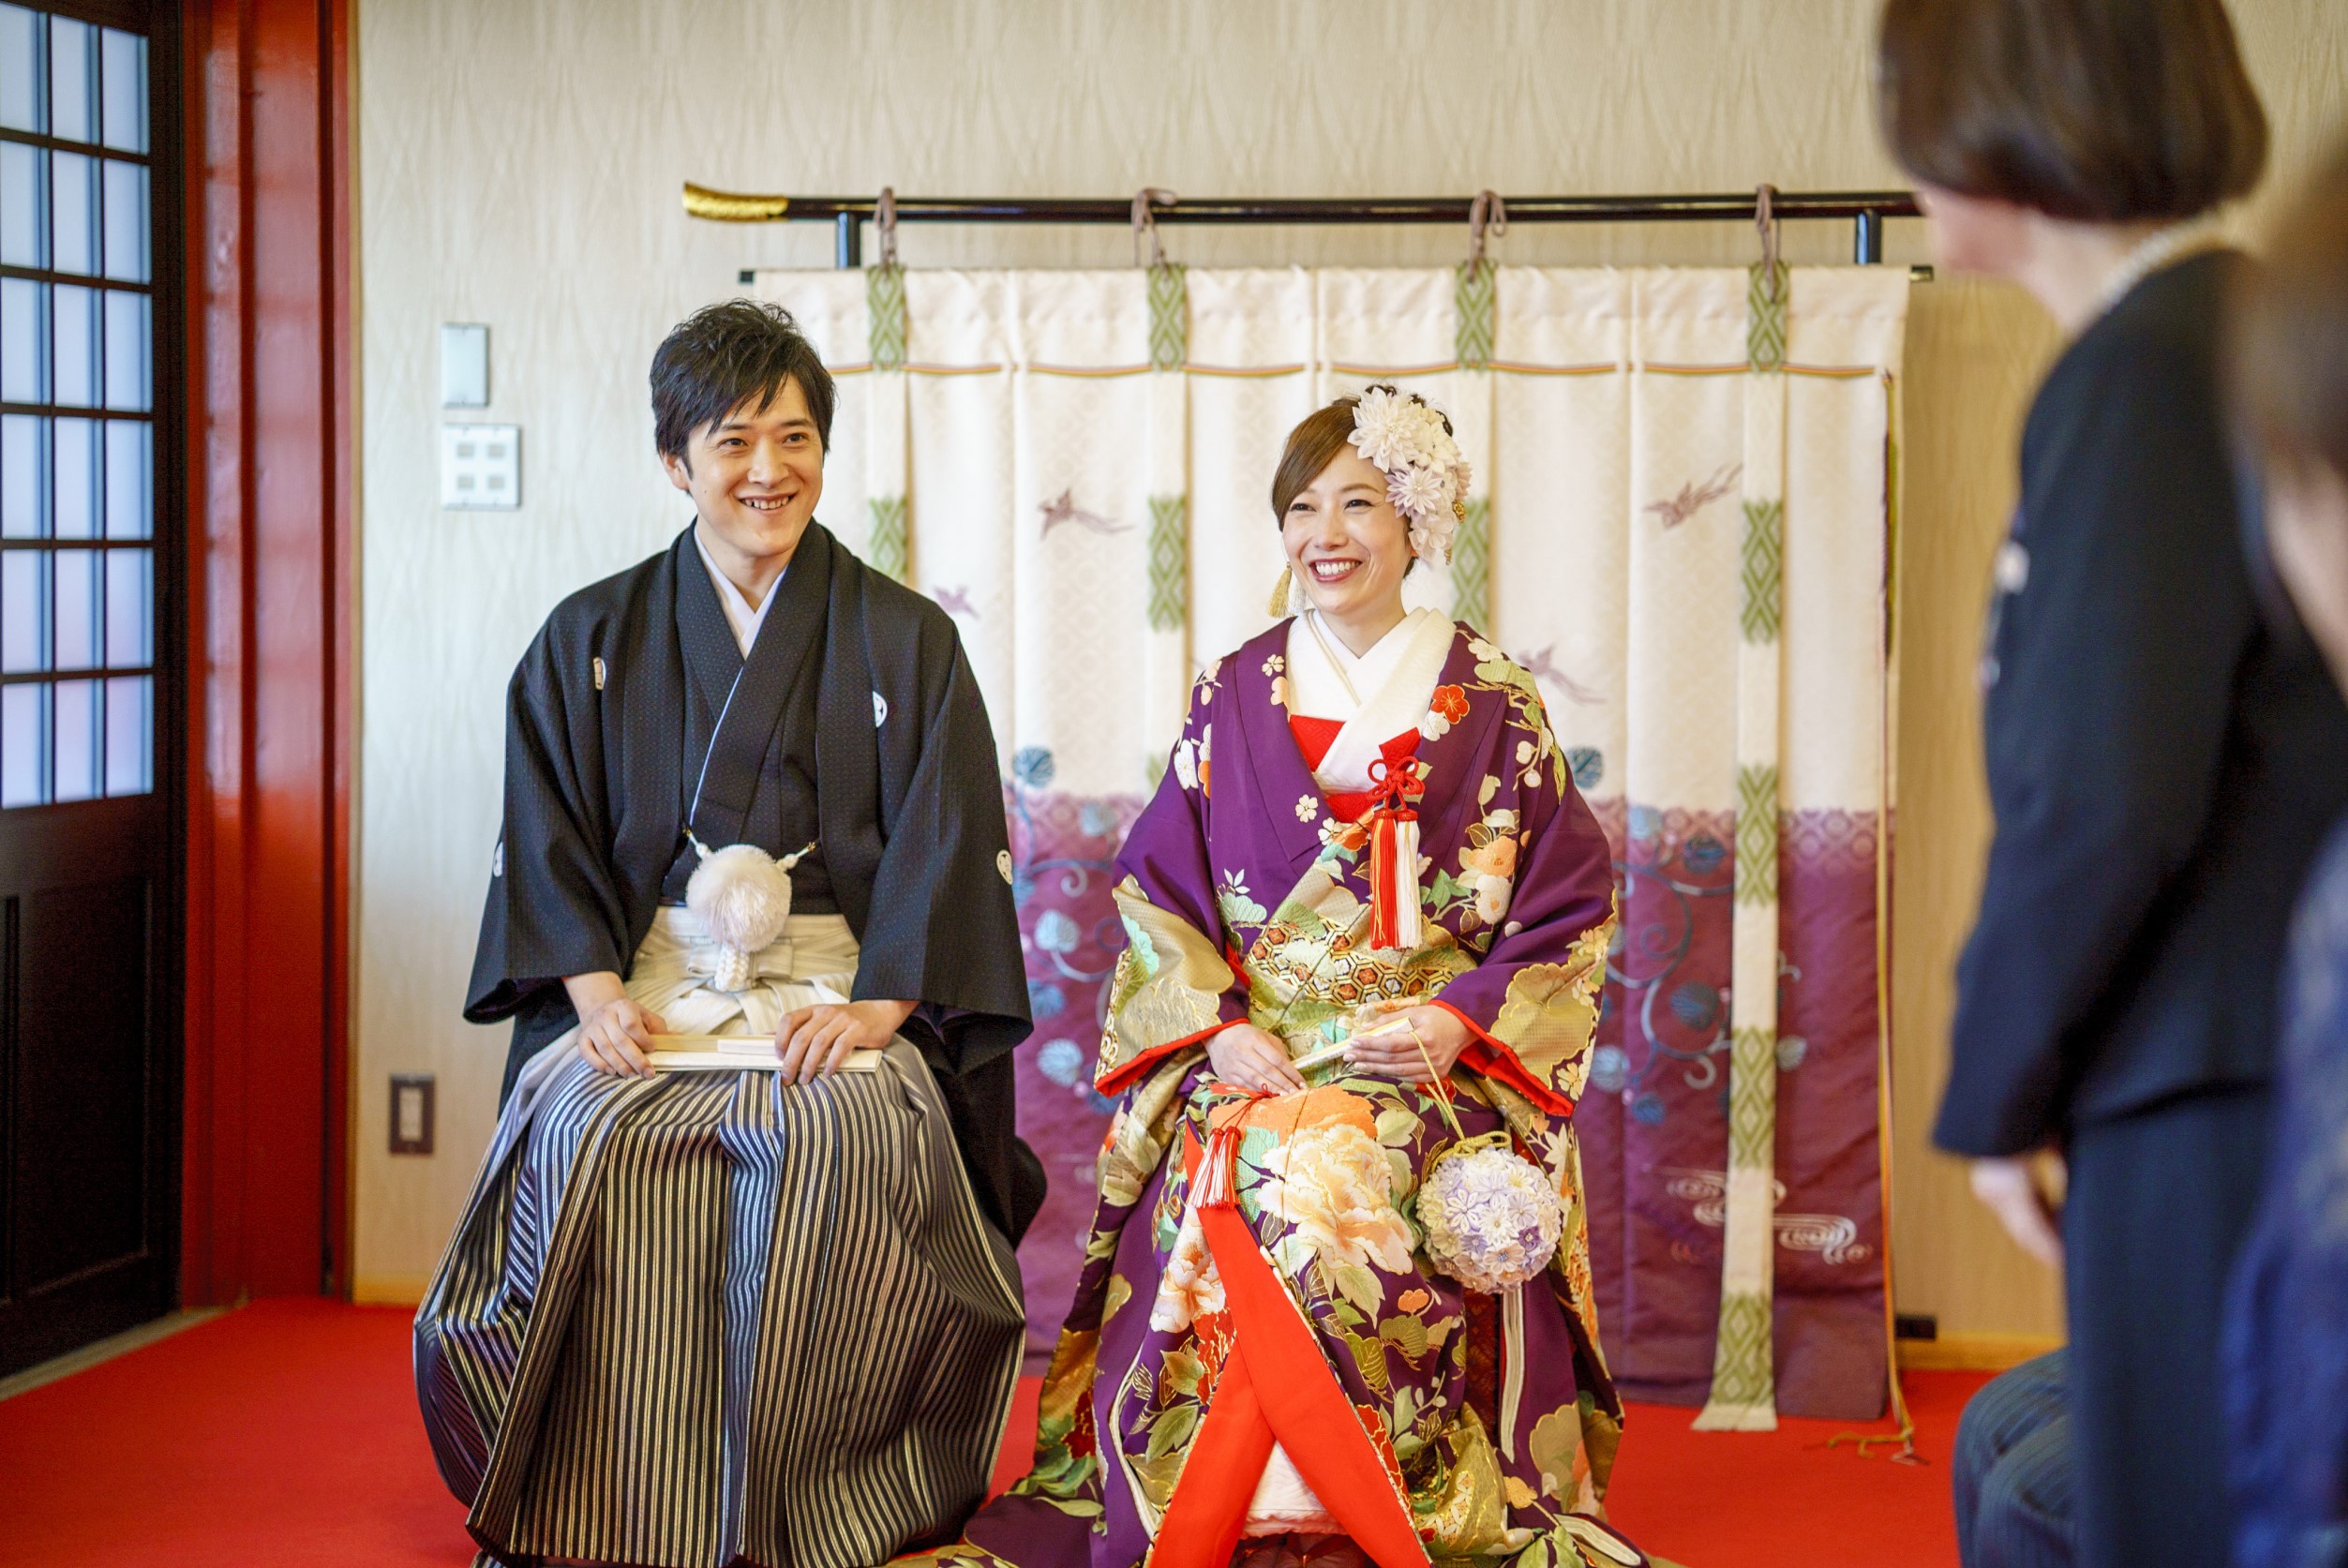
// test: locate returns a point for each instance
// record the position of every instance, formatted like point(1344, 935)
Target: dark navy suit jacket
point(2163, 759)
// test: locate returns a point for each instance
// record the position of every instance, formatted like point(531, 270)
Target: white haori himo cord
point(741, 894)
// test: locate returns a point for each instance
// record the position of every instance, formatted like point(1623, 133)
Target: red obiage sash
point(1386, 810)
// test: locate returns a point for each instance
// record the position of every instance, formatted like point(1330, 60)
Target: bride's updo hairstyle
point(1318, 440)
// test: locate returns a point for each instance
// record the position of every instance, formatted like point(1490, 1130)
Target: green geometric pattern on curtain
point(1169, 563)
point(887, 543)
point(884, 303)
point(1472, 565)
point(1743, 1390)
point(1475, 299)
point(888, 540)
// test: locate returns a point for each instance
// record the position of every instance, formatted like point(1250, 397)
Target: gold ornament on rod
point(725, 206)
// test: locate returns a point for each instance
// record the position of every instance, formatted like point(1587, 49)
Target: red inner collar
point(1315, 737)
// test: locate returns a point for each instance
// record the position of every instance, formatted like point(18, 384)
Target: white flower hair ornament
point(1409, 440)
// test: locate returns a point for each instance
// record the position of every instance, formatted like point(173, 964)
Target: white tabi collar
point(739, 615)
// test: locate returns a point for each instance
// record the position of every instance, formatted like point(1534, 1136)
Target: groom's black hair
point(723, 356)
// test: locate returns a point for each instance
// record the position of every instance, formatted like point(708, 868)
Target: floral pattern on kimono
point(1242, 905)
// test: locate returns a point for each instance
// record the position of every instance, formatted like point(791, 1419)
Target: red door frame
point(266, 94)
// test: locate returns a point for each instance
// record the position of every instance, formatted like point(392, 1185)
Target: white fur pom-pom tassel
point(743, 896)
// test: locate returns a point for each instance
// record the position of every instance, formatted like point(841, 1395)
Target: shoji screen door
point(89, 611)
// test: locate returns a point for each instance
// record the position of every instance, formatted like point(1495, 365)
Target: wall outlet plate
point(481, 467)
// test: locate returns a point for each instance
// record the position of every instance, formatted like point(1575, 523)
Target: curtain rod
point(1864, 209)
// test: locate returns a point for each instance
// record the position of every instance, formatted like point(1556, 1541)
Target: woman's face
point(2307, 529)
point(1346, 542)
point(1974, 233)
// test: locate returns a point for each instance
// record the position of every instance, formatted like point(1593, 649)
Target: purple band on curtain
point(1652, 1120)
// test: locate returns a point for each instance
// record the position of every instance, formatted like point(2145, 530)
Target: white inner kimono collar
point(739, 615)
point(1394, 682)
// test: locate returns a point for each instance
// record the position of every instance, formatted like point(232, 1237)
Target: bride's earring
point(1282, 593)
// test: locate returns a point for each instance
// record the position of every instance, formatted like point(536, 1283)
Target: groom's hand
point(614, 1032)
point(820, 1039)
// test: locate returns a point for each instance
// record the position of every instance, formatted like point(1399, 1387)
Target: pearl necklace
point(2157, 250)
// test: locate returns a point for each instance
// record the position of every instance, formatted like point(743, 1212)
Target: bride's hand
point(1387, 1048)
point(1253, 1058)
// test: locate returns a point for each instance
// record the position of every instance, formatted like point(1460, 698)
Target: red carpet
point(283, 1433)
point(1784, 1498)
point(287, 1433)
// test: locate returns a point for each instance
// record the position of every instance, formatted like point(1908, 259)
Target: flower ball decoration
point(1492, 1217)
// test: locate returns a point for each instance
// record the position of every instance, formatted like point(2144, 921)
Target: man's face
point(754, 476)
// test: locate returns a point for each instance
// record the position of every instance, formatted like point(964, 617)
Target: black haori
point(605, 729)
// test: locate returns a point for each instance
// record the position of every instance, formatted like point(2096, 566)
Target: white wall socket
point(481, 467)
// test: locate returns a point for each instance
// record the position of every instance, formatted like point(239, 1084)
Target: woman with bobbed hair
point(2286, 1343)
point(2162, 764)
point(1336, 1304)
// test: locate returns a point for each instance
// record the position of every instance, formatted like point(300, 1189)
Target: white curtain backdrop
point(1076, 465)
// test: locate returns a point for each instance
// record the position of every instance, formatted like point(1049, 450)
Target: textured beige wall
point(1974, 355)
point(520, 165)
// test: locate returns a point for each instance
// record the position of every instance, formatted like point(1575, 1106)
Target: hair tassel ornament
point(1283, 591)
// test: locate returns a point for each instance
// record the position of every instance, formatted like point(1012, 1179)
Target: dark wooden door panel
point(82, 1108)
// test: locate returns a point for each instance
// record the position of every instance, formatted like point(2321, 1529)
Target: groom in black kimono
point(622, 693)
point(741, 1315)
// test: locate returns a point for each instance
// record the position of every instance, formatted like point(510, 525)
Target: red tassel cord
point(1394, 912)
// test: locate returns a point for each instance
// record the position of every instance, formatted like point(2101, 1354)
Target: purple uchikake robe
point(1245, 900)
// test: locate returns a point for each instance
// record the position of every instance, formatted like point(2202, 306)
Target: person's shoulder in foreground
point(2286, 1330)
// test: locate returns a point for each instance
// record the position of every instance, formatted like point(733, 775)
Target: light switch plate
point(481, 467)
point(464, 365)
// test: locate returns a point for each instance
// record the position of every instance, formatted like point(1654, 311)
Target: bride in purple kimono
point(1337, 1302)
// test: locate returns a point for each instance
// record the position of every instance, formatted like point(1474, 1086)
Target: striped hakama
point(713, 1316)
